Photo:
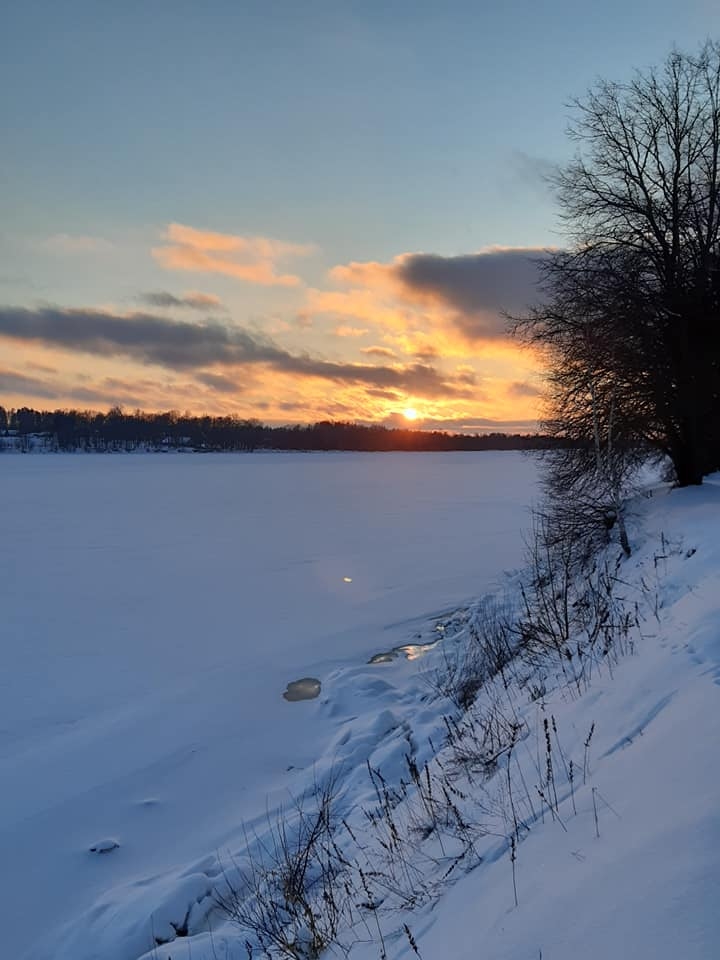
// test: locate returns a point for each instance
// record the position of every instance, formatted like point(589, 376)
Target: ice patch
point(307, 688)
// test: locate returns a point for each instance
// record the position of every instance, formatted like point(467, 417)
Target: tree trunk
point(686, 461)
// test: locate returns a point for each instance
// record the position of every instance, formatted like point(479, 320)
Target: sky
point(292, 210)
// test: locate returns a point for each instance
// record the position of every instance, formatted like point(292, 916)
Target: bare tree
point(632, 314)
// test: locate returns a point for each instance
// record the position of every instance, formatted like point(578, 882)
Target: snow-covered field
point(154, 608)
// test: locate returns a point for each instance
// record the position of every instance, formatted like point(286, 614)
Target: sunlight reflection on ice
point(411, 651)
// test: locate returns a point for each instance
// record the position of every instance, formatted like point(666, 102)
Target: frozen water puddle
point(411, 651)
point(307, 688)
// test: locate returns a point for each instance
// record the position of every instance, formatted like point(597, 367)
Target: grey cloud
point(416, 378)
point(105, 394)
point(40, 367)
point(479, 286)
point(217, 381)
point(108, 391)
point(378, 352)
point(190, 301)
point(145, 337)
point(467, 376)
point(522, 389)
point(384, 394)
point(27, 386)
point(178, 345)
point(426, 352)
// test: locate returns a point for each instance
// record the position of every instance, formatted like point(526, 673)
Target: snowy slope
point(649, 886)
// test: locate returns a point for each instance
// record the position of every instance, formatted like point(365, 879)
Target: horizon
point(407, 425)
point(322, 214)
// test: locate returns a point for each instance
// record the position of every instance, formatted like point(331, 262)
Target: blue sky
point(364, 130)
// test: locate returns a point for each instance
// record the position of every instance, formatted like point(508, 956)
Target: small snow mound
point(105, 846)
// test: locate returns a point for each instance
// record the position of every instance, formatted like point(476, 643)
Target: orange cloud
point(357, 304)
point(370, 273)
point(200, 299)
point(345, 330)
point(252, 259)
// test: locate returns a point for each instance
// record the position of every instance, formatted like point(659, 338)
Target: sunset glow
point(340, 245)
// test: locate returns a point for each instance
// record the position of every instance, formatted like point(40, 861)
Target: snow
point(154, 611)
point(649, 886)
point(156, 608)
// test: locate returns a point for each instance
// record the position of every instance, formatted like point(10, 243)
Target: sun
point(410, 413)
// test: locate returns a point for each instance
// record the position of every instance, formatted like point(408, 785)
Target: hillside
point(649, 885)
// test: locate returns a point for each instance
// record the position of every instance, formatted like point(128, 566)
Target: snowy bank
point(541, 819)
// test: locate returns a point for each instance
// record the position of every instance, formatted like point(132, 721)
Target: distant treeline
point(70, 430)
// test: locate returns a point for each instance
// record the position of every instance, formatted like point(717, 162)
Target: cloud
point(107, 391)
point(145, 337)
point(179, 345)
point(252, 259)
point(366, 301)
point(428, 300)
point(523, 389)
point(345, 330)
point(425, 351)
point(219, 382)
point(477, 285)
point(41, 367)
point(124, 391)
point(192, 300)
point(376, 351)
point(384, 394)
point(66, 244)
point(11, 382)
point(480, 425)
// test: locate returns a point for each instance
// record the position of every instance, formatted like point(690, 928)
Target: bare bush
point(296, 894)
point(481, 648)
point(572, 611)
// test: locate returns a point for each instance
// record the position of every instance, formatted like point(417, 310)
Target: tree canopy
point(630, 317)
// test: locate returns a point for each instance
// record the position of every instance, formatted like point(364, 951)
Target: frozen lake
point(154, 610)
